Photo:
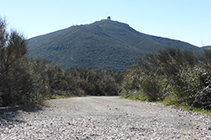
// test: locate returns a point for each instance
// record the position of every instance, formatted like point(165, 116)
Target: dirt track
point(104, 118)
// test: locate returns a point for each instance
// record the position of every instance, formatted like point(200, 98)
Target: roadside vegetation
point(28, 82)
point(172, 76)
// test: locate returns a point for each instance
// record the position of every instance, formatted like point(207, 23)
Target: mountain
point(104, 44)
point(206, 47)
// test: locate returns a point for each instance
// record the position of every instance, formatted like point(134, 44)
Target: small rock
point(209, 128)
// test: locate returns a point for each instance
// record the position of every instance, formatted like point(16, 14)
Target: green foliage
point(34, 84)
point(172, 76)
point(151, 88)
point(22, 81)
point(12, 49)
point(81, 82)
point(29, 82)
point(131, 82)
point(106, 44)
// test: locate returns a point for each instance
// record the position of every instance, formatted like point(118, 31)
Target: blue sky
point(185, 20)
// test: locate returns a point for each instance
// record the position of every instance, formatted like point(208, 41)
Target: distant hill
point(206, 47)
point(105, 44)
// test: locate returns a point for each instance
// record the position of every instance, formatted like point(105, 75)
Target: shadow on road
point(8, 115)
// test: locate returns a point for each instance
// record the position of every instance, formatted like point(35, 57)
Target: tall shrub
point(23, 81)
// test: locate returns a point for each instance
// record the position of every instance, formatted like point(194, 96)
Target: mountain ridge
point(104, 44)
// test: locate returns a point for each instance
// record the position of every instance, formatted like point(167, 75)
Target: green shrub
point(171, 99)
point(131, 82)
point(151, 88)
point(141, 85)
point(172, 76)
point(82, 82)
point(32, 87)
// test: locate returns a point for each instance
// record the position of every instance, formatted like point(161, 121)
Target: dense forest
point(172, 76)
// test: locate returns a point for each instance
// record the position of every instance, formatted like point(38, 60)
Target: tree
point(13, 47)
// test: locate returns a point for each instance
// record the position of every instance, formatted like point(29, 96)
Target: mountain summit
point(105, 44)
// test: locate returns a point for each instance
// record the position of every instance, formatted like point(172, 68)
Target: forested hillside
point(105, 44)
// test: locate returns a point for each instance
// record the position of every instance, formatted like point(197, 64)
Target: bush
point(28, 84)
point(151, 88)
point(202, 99)
point(23, 81)
point(137, 82)
point(172, 76)
point(36, 84)
point(82, 82)
point(131, 83)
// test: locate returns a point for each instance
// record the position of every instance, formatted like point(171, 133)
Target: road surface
point(104, 118)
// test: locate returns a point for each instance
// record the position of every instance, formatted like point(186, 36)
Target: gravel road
point(104, 118)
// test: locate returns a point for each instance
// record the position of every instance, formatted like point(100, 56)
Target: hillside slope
point(104, 44)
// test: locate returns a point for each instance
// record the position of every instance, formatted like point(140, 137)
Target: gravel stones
point(104, 118)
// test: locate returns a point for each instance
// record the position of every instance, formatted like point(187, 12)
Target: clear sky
point(185, 20)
